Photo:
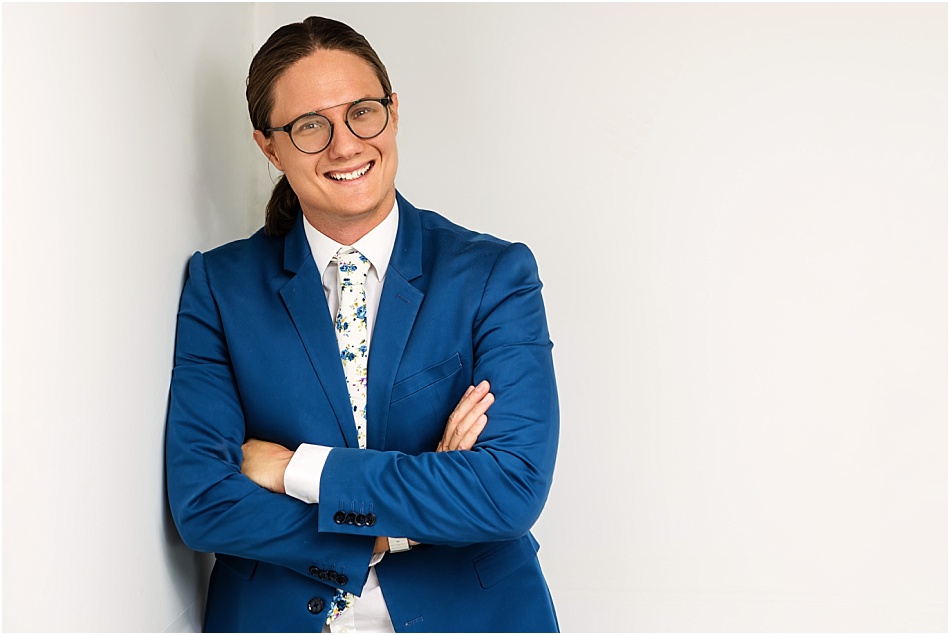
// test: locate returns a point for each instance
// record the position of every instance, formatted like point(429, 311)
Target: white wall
point(762, 443)
point(125, 149)
point(754, 404)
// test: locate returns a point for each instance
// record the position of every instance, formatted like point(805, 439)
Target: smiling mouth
point(350, 176)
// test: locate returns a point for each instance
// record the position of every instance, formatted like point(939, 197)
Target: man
point(312, 453)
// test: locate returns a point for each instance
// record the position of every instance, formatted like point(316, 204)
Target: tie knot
point(351, 262)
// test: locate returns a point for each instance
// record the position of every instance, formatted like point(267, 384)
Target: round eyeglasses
point(311, 132)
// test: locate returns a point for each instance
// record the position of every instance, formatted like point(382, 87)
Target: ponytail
point(281, 212)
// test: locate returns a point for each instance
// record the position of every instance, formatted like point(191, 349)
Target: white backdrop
point(754, 402)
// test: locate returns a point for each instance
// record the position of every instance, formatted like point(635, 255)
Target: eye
point(310, 125)
point(365, 109)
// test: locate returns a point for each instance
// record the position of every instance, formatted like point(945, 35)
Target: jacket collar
point(407, 250)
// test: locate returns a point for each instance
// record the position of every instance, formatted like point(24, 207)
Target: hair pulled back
point(286, 46)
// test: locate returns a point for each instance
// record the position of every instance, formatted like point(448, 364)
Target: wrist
point(282, 466)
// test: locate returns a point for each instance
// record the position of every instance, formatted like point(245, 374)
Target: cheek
point(393, 153)
point(302, 175)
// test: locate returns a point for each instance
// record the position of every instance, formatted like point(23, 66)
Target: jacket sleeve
point(215, 507)
point(496, 490)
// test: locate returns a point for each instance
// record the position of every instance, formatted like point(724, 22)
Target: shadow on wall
point(189, 571)
point(223, 208)
point(224, 187)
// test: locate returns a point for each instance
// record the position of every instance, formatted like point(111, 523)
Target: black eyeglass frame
point(385, 101)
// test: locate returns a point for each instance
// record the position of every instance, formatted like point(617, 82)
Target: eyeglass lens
point(366, 119)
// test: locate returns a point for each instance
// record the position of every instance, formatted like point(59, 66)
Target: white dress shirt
point(368, 613)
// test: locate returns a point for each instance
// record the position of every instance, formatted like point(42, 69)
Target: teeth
point(349, 176)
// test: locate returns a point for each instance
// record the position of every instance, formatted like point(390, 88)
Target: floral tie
point(351, 335)
point(351, 332)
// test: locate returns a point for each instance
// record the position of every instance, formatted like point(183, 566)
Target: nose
point(344, 143)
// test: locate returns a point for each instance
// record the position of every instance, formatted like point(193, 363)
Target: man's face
point(335, 205)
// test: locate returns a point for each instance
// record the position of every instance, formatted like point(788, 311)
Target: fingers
point(469, 408)
point(467, 420)
point(467, 440)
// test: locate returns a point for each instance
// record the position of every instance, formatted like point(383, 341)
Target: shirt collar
point(377, 245)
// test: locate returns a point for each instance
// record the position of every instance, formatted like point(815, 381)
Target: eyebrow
point(345, 103)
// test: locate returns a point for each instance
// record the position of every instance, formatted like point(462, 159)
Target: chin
point(360, 209)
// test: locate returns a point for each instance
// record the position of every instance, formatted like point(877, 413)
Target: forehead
point(322, 79)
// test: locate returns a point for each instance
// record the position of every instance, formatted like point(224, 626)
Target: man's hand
point(467, 420)
point(264, 463)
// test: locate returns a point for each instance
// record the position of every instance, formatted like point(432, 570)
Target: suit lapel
point(305, 301)
point(398, 306)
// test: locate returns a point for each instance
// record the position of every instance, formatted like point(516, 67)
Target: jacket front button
point(339, 517)
point(315, 606)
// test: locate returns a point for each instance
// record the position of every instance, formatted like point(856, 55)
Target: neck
point(346, 230)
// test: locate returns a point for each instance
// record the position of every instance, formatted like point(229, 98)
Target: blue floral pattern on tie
point(352, 333)
point(353, 339)
point(340, 602)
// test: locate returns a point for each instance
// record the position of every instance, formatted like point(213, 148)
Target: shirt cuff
point(302, 476)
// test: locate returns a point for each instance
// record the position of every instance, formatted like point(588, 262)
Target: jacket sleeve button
point(339, 517)
point(342, 579)
point(360, 520)
point(315, 606)
point(370, 519)
point(314, 571)
point(350, 518)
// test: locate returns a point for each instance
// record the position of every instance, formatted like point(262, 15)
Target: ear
point(269, 148)
point(394, 111)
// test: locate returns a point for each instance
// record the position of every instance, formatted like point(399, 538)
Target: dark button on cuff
point(315, 606)
point(315, 571)
point(370, 519)
point(360, 520)
point(351, 519)
point(324, 575)
point(342, 579)
point(339, 517)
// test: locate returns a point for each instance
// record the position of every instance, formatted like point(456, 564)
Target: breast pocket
point(420, 405)
point(425, 378)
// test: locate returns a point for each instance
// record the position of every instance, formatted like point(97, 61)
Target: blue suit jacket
point(256, 356)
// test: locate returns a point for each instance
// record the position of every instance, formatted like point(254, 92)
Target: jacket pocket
point(240, 566)
point(494, 567)
point(425, 378)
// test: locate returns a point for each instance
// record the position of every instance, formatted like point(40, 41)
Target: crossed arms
point(265, 462)
point(494, 491)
